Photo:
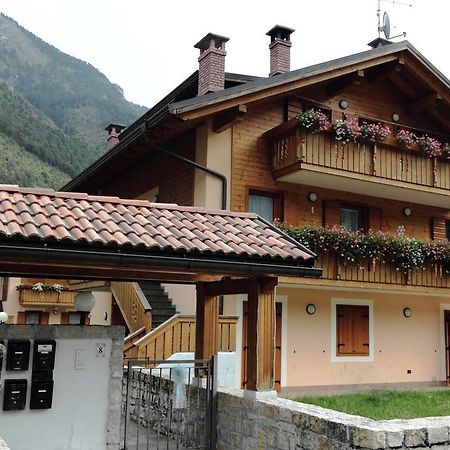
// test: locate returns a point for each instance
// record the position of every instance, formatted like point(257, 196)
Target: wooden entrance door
point(447, 344)
point(278, 315)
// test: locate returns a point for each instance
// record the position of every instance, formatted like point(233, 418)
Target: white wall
point(77, 419)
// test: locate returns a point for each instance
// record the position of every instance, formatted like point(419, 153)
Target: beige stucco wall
point(183, 297)
point(400, 344)
point(12, 306)
point(213, 150)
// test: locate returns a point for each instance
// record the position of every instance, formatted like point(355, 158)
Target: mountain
point(53, 110)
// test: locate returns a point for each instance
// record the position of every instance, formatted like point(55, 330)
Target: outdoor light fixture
point(84, 302)
point(312, 196)
point(407, 312)
point(310, 309)
point(407, 211)
point(395, 117)
point(3, 317)
point(343, 104)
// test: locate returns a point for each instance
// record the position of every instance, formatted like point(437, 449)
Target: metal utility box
point(41, 394)
point(15, 394)
point(18, 354)
point(44, 354)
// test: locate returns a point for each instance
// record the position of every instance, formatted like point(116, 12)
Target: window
point(32, 317)
point(349, 218)
point(261, 205)
point(352, 325)
point(266, 205)
point(352, 330)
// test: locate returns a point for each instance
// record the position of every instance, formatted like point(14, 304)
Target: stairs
point(161, 304)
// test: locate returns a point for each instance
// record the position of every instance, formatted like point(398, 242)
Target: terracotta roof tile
point(42, 214)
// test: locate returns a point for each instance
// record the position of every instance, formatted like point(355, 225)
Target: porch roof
point(166, 235)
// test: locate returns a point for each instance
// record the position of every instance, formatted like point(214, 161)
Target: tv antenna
point(386, 26)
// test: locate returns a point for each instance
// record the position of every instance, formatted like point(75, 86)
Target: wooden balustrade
point(382, 273)
point(294, 149)
point(30, 297)
point(178, 335)
point(133, 305)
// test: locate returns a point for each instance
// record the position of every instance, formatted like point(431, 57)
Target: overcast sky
point(146, 46)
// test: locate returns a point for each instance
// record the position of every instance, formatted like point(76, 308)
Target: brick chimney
point(211, 71)
point(280, 49)
point(112, 138)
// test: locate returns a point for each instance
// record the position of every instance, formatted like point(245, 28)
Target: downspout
point(219, 175)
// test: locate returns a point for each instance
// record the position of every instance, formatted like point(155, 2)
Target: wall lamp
point(407, 312)
point(407, 211)
point(343, 104)
point(310, 309)
point(3, 317)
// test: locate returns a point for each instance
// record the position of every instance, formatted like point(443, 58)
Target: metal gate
point(169, 405)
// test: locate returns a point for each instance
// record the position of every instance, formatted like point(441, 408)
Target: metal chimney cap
point(280, 32)
point(204, 43)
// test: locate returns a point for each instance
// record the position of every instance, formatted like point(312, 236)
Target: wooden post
point(261, 334)
point(207, 314)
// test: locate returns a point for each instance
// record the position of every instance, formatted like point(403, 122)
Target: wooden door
point(447, 344)
point(278, 343)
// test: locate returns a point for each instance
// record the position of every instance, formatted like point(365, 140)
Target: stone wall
point(154, 402)
point(284, 424)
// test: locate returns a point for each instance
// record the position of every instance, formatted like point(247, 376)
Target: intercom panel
point(41, 395)
point(18, 354)
point(15, 394)
point(44, 354)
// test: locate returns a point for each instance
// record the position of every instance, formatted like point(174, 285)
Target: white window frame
point(347, 301)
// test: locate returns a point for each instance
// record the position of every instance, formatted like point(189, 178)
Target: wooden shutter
point(65, 318)
point(331, 214)
point(44, 317)
point(352, 330)
point(439, 232)
point(21, 318)
point(375, 219)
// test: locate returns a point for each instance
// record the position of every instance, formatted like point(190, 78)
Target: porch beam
point(207, 324)
point(228, 286)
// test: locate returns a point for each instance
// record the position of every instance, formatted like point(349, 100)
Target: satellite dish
point(386, 28)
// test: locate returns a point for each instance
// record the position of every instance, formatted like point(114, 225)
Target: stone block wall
point(288, 425)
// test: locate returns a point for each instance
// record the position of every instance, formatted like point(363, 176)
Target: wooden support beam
point(207, 324)
point(229, 118)
point(228, 286)
point(342, 83)
point(261, 334)
point(425, 101)
point(385, 71)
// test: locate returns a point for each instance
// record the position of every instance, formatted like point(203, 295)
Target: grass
point(383, 405)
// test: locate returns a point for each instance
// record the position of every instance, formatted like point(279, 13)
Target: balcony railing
point(295, 149)
point(30, 297)
point(380, 272)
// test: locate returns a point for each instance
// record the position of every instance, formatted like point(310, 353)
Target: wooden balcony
point(383, 169)
point(430, 276)
point(30, 297)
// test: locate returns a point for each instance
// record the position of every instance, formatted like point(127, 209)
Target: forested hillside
point(53, 110)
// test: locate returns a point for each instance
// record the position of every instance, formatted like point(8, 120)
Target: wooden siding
point(174, 178)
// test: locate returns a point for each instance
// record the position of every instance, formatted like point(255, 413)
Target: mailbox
point(44, 355)
point(15, 394)
point(41, 395)
point(18, 354)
